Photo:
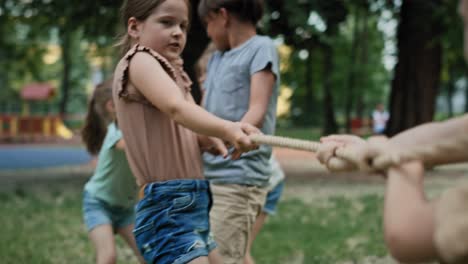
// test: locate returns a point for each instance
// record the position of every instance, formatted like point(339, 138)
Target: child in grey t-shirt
point(241, 85)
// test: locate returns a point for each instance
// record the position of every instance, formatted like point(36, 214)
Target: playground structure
point(361, 126)
point(33, 127)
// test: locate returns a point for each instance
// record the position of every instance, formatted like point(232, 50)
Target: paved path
point(33, 157)
point(23, 165)
point(14, 157)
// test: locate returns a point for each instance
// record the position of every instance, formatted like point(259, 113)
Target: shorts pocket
point(183, 203)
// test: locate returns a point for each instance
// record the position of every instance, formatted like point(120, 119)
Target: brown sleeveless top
point(157, 148)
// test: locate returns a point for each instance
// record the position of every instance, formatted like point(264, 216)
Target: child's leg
point(102, 237)
point(408, 216)
point(256, 229)
point(215, 257)
point(99, 225)
point(200, 260)
point(235, 208)
point(127, 235)
point(269, 208)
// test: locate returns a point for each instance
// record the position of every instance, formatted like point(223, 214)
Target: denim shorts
point(98, 212)
point(172, 221)
point(273, 198)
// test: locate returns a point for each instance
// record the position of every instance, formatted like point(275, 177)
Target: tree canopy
point(338, 65)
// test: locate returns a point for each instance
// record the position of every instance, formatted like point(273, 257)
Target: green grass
point(339, 230)
point(307, 133)
point(44, 225)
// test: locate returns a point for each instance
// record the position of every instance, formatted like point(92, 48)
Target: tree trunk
point(363, 82)
point(466, 95)
point(65, 43)
point(352, 70)
point(450, 91)
point(4, 75)
point(417, 73)
point(309, 98)
point(330, 125)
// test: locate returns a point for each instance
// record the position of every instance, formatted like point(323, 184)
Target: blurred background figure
point(379, 119)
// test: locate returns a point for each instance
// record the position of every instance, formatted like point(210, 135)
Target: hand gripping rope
point(350, 158)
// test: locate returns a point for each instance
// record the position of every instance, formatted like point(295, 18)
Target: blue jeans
point(98, 212)
point(272, 199)
point(172, 221)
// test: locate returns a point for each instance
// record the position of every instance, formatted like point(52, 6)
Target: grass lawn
point(333, 232)
point(44, 225)
point(307, 133)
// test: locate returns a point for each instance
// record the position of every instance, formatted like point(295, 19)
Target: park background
point(339, 59)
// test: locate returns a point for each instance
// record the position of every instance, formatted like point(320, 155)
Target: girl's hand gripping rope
point(327, 151)
point(346, 152)
point(212, 145)
point(238, 136)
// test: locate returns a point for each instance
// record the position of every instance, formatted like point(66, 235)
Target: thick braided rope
point(285, 142)
point(349, 160)
point(306, 145)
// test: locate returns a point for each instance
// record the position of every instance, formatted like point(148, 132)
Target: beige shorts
point(235, 208)
point(451, 225)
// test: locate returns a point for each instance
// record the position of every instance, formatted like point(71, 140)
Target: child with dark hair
point(276, 181)
point(241, 85)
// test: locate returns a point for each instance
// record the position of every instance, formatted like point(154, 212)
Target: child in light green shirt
point(110, 194)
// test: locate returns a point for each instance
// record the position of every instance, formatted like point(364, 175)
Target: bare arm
point(260, 92)
point(120, 144)
point(209, 144)
point(425, 137)
point(430, 133)
point(408, 215)
point(163, 93)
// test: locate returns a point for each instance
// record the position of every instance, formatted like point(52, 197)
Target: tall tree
point(97, 19)
point(352, 69)
point(417, 73)
point(289, 20)
point(454, 65)
point(292, 21)
point(334, 13)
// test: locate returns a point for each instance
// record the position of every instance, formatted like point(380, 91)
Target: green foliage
point(296, 22)
point(20, 51)
point(371, 79)
point(347, 31)
point(454, 65)
point(307, 133)
point(34, 26)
